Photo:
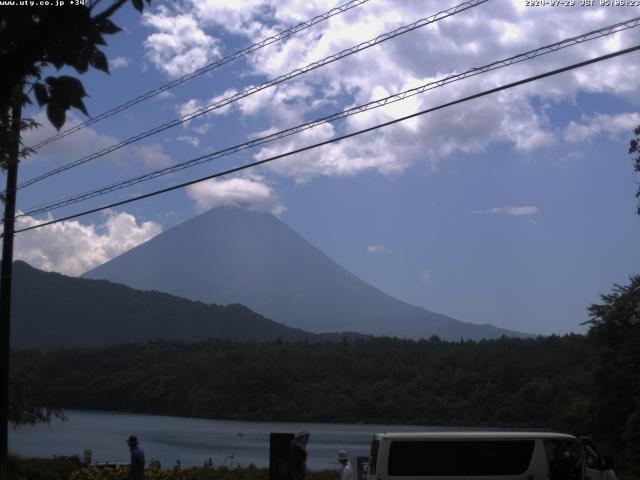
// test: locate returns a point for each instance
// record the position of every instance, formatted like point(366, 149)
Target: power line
point(207, 68)
point(531, 54)
point(342, 137)
point(255, 89)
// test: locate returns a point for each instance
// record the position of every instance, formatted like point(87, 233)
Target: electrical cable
point(254, 89)
point(342, 137)
point(207, 68)
point(531, 54)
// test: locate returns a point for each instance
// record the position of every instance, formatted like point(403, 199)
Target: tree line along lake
point(190, 440)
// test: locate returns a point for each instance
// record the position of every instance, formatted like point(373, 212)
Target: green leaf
point(24, 98)
point(99, 61)
point(56, 63)
point(66, 92)
point(79, 104)
point(66, 87)
point(56, 114)
point(80, 61)
point(107, 27)
point(40, 91)
point(138, 5)
point(28, 124)
point(95, 37)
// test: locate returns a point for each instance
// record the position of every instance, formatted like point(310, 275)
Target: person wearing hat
point(136, 468)
point(346, 472)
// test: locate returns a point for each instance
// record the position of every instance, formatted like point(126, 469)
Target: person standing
point(136, 467)
point(298, 456)
point(346, 472)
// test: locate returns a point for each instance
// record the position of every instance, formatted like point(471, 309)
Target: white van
point(454, 455)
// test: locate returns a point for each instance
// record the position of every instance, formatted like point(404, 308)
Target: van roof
point(460, 434)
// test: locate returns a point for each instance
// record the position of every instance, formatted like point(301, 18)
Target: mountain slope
point(51, 310)
point(229, 255)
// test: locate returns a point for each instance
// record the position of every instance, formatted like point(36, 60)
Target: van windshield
point(564, 459)
point(465, 457)
point(591, 454)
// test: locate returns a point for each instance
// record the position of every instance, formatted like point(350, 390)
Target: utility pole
point(5, 281)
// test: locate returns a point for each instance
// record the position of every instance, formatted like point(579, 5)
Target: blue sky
point(516, 209)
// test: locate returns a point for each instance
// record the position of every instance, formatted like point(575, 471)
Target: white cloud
point(514, 211)
point(598, 124)
point(284, 104)
point(218, 98)
point(198, 124)
point(189, 107)
point(251, 193)
point(118, 62)
point(152, 155)
point(87, 141)
point(470, 39)
point(193, 141)
point(348, 157)
point(165, 94)
point(236, 17)
point(179, 45)
point(202, 129)
point(378, 248)
point(81, 143)
point(73, 248)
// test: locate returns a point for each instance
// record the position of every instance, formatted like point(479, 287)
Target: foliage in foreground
point(614, 408)
point(70, 468)
point(634, 148)
point(59, 468)
point(29, 402)
point(38, 38)
point(198, 473)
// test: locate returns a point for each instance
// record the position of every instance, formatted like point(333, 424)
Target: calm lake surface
point(191, 440)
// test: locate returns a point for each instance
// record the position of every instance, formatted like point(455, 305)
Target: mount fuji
point(230, 255)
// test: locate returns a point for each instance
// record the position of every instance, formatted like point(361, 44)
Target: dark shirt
point(136, 470)
point(297, 463)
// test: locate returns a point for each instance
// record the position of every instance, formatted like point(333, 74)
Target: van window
point(511, 457)
point(564, 459)
point(591, 454)
point(468, 457)
point(373, 457)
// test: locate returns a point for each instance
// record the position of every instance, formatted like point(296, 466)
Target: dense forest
point(507, 382)
point(574, 383)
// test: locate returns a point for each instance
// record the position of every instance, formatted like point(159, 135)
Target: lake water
point(189, 439)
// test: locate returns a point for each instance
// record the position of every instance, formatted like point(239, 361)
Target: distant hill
point(229, 255)
point(50, 310)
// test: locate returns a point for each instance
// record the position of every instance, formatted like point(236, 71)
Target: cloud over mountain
point(250, 193)
point(72, 248)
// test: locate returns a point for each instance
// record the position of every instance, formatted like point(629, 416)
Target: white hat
point(342, 455)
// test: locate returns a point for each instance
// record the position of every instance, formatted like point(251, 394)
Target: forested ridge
point(91, 313)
